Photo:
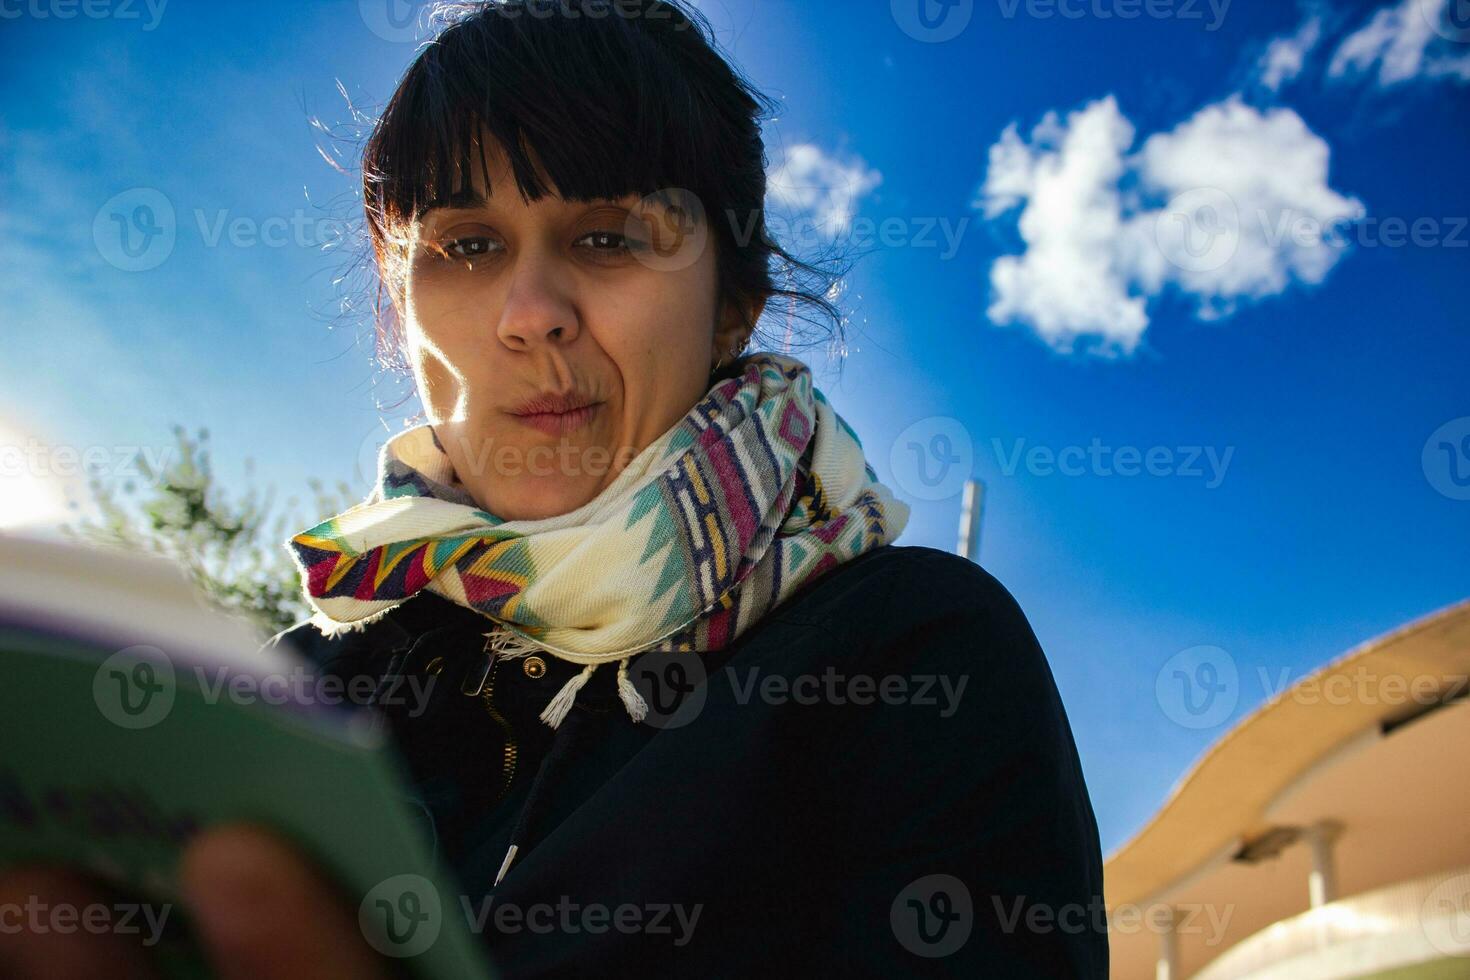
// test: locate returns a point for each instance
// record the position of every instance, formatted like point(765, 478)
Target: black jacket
point(819, 802)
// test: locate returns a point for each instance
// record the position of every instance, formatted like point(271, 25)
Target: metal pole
point(972, 511)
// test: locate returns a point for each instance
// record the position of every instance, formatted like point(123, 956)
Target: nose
point(537, 310)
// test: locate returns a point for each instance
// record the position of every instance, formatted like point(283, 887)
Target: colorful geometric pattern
point(759, 488)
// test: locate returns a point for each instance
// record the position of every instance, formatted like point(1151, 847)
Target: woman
point(677, 669)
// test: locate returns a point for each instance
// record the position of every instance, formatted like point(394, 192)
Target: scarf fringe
point(330, 627)
point(507, 643)
point(632, 700)
point(557, 710)
point(820, 504)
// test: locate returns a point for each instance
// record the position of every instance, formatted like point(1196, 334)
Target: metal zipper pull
point(475, 677)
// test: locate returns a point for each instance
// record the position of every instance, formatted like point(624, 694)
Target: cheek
point(661, 349)
point(436, 356)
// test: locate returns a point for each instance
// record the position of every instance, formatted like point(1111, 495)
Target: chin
point(537, 500)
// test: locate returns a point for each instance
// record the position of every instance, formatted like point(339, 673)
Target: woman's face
point(507, 301)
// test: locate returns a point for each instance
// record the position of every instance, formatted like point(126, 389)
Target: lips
point(560, 423)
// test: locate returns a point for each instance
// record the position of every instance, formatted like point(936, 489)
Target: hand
point(261, 912)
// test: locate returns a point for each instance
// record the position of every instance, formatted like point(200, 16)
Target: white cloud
point(1070, 280)
point(810, 180)
point(1403, 42)
point(1101, 241)
point(1285, 57)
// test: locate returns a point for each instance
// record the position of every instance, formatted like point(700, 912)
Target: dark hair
point(610, 97)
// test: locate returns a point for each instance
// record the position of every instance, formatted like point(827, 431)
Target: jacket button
point(534, 667)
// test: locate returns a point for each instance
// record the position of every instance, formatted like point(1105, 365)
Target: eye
point(469, 247)
point(612, 243)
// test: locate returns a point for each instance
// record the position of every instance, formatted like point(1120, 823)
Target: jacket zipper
point(511, 753)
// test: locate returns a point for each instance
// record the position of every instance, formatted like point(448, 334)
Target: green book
point(133, 714)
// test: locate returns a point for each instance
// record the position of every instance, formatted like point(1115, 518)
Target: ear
point(736, 324)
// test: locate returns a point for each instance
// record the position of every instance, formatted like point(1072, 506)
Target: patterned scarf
point(761, 487)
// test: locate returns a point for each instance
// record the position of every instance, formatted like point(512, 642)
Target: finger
point(49, 927)
point(263, 913)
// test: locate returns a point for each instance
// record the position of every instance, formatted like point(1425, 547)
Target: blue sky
point(1219, 247)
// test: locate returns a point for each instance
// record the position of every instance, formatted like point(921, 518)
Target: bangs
point(594, 102)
